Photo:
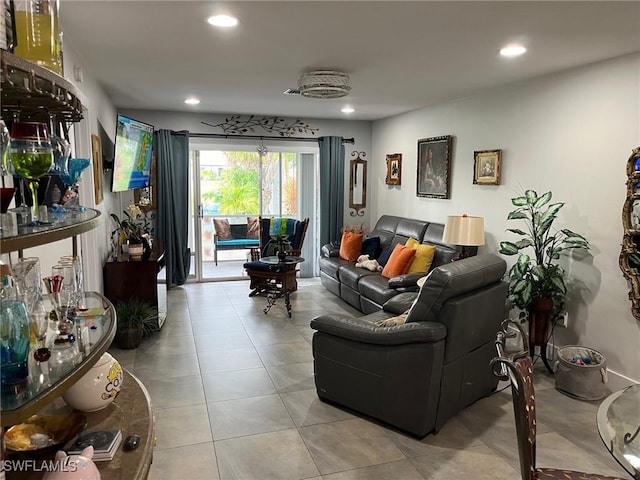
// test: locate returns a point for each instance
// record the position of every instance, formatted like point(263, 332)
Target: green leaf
point(539, 271)
point(516, 231)
point(547, 218)
point(524, 259)
point(558, 284)
point(519, 201)
point(576, 240)
point(532, 197)
point(516, 214)
point(519, 286)
point(508, 248)
point(543, 200)
point(525, 242)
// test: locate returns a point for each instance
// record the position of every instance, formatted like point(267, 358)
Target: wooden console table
point(128, 278)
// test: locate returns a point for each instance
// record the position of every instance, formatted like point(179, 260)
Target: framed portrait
point(98, 174)
point(434, 167)
point(486, 167)
point(394, 169)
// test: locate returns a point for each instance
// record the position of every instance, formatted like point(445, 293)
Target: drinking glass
point(26, 272)
point(76, 264)
point(63, 301)
point(31, 157)
point(61, 150)
point(39, 326)
point(14, 343)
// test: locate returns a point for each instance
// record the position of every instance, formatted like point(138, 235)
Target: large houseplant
point(135, 320)
point(537, 283)
point(132, 228)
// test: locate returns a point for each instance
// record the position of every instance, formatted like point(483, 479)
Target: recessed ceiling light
point(223, 21)
point(192, 101)
point(347, 110)
point(512, 50)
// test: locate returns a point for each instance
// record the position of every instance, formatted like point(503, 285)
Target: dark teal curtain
point(172, 160)
point(331, 188)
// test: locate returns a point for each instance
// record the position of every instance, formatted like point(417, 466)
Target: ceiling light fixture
point(324, 84)
point(512, 50)
point(192, 101)
point(223, 21)
point(347, 110)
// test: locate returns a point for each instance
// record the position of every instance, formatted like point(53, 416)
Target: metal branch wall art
point(236, 125)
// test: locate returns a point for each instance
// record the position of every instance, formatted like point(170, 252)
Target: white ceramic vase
point(98, 387)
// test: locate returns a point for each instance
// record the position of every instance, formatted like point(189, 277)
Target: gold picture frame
point(434, 167)
point(394, 169)
point(98, 174)
point(486, 167)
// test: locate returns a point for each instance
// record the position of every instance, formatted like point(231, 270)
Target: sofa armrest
point(406, 280)
point(330, 250)
point(400, 303)
point(357, 330)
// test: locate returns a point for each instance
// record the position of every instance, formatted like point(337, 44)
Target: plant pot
point(129, 339)
point(540, 316)
point(136, 250)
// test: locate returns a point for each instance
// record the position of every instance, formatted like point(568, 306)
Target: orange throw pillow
point(399, 261)
point(350, 246)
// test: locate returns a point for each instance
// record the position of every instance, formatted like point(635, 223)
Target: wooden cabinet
point(128, 278)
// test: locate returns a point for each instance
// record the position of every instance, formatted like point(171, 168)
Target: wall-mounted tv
point(132, 160)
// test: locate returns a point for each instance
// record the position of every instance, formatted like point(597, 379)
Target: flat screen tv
point(132, 160)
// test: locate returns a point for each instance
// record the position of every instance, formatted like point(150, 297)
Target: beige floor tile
point(275, 334)
point(171, 345)
point(237, 384)
point(222, 341)
point(476, 462)
point(181, 426)
point(151, 367)
point(402, 470)
point(349, 444)
point(194, 462)
point(229, 360)
point(213, 326)
point(285, 353)
point(176, 392)
point(307, 409)
point(248, 416)
point(292, 378)
point(276, 455)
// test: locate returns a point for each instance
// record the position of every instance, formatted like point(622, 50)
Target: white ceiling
point(400, 55)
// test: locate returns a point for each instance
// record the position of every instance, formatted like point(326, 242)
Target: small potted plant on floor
point(537, 284)
point(135, 320)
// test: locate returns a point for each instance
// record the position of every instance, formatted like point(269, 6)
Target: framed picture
point(98, 174)
point(394, 169)
point(434, 167)
point(486, 167)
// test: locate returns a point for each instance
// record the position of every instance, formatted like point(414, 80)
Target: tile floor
point(233, 396)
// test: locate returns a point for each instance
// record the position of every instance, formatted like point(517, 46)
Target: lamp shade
point(464, 230)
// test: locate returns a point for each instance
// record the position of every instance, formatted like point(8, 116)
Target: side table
point(283, 282)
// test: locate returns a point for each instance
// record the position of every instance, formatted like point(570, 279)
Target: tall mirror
point(630, 254)
point(358, 184)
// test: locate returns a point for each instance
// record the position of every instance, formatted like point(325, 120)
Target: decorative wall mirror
point(630, 254)
point(358, 184)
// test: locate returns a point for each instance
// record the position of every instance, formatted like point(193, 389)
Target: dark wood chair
point(275, 279)
point(518, 369)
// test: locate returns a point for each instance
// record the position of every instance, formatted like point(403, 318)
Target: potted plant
point(131, 229)
point(135, 320)
point(537, 283)
point(283, 245)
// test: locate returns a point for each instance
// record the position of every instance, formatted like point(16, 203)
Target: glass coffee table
point(283, 281)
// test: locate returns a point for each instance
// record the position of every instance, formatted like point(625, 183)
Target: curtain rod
point(262, 137)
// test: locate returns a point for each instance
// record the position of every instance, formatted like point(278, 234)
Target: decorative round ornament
point(98, 388)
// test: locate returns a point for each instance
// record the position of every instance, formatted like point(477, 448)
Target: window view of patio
point(236, 187)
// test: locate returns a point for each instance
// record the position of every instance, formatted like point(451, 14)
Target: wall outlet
point(563, 320)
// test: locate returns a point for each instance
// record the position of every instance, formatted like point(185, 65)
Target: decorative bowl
point(54, 431)
point(98, 387)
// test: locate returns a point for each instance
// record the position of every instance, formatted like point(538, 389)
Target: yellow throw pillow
point(423, 258)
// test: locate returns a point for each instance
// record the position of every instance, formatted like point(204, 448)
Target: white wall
point(570, 133)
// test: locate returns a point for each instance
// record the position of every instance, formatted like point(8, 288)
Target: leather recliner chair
point(417, 375)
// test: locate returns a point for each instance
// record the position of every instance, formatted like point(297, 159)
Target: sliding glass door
point(235, 184)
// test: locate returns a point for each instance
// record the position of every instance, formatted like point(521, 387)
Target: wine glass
point(39, 325)
point(31, 158)
point(26, 271)
point(61, 150)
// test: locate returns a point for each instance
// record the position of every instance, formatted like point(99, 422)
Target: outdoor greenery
point(540, 275)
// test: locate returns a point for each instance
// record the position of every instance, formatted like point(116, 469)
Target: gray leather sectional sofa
point(416, 375)
point(368, 291)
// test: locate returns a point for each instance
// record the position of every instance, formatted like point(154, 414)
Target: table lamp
point(465, 231)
